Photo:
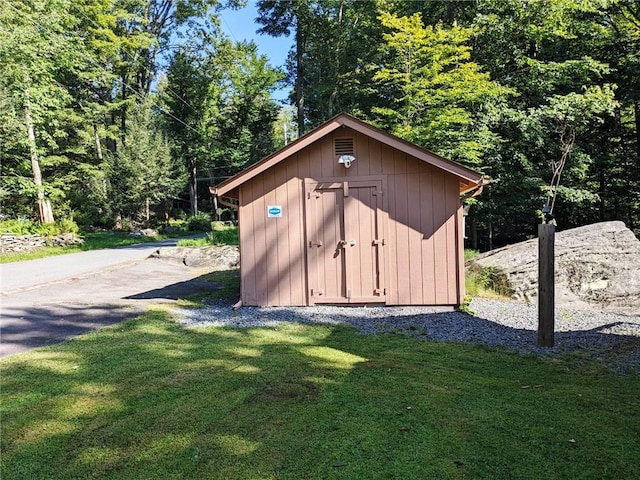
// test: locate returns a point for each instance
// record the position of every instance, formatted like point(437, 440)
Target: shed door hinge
point(380, 291)
point(317, 292)
point(317, 243)
point(313, 195)
point(378, 242)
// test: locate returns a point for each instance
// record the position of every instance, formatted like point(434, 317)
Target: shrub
point(18, 226)
point(469, 254)
point(48, 230)
point(222, 234)
point(486, 282)
point(127, 224)
point(177, 223)
point(200, 222)
point(69, 226)
point(22, 226)
point(173, 226)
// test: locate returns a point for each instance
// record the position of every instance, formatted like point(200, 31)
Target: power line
point(146, 69)
point(94, 62)
point(224, 20)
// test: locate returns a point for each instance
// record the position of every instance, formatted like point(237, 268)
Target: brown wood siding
point(272, 263)
point(420, 221)
point(423, 201)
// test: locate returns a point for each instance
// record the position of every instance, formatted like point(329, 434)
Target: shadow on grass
point(151, 399)
point(617, 352)
point(46, 324)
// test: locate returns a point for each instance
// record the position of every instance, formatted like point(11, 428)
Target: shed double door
point(344, 241)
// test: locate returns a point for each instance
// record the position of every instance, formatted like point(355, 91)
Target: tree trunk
point(636, 106)
point(123, 112)
point(99, 156)
point(98, 144)
point(299, 76)
point(45, 212)
point(193, 186)
point(146, 211)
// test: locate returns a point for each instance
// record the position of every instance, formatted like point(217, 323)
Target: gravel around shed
point(611, 338)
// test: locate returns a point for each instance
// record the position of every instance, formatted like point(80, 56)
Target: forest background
point(122, 112)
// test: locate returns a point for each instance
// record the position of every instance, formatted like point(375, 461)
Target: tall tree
point(433, 92)
point(221, 110)
point(336, 43)
point(281, 17)
point(34, 55)
point(240, 112)
point(623, 52)
point(188, 81)
point(141, 176)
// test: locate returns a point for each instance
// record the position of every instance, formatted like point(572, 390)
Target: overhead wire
point(146, 69)
point(94, 62)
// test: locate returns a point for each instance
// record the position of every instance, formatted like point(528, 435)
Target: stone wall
point(10, 243)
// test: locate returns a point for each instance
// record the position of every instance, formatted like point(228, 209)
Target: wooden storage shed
point(349, 214)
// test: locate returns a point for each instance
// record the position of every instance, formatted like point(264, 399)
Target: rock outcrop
point(144, 232)
point(223, 257)
point(596, 266)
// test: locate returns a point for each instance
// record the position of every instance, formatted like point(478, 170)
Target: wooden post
point(546, 284)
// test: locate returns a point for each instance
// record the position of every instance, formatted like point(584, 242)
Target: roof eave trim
point(413, 150)
point(346, 120)
point(276, 157)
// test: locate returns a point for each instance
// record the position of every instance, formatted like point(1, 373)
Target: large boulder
point(218, 257)
point(596, 266)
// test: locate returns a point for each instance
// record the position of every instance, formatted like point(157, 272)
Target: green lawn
point(150, 399)
point(221, 234)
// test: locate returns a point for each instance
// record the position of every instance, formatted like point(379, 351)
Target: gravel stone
point(613, 339)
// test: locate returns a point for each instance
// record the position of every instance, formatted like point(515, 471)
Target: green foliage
point(486, 282)
point(84, 71)
point(35, 56)
point(22, 226)
point(200, 222)
point(436, 90)
point(222, 115)
point(220, 234)
point(284, 129)
point(239, 112)
point(469, 254)
point(142, 173)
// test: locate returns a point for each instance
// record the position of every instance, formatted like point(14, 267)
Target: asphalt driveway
point(72, 294)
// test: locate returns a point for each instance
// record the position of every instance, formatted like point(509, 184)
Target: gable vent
point(343, 146)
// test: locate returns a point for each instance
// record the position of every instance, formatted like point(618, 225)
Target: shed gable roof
point(469, 179)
